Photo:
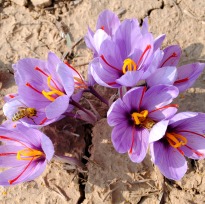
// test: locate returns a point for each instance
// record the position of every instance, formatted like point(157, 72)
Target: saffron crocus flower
point(182, 135)
point(124, 53)
point(46, 84)
point(135, 114)
point(127, 58)
point(183, 77)
point(25, 151)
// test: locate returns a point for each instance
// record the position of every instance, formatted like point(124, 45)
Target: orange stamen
point(176, 140)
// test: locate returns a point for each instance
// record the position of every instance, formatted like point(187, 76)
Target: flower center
point(129, 65)
point(51, 95)
point(29, 154)
point(139, 117)
point(176, 140)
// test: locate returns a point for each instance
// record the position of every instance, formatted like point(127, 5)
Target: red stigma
point(103, 58)
point(194, 151)
point(66, 62)
point(112, 83)
point(143, 92)
point(180, 151)
point(133, 134)
point(146, 49)
point(102, 27)
point(164, 107)
point(181, 80)
point(43, 121)
point(40, 70)
point(174, 54)
point(30, 86)
point(11, 96)
point(15, 179)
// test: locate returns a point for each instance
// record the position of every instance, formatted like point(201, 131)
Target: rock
point(41, 3)
point(20, 2)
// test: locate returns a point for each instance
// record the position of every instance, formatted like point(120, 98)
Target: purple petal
point(158, 41)
point(108, 21)
point(126, 36)
point(47, 147)
point(36, 171)
point(132, 98)
point(117, 113)
point(21, 174)
point(172, 56)
point(101, 76)
point(156, 58)
point(159, 96)
point(163, 114)
point(170, 162)
point(99, 37)
point(187, 75)
point(144, 28)
point(8, 156)
point(140, 146)
point(25, 70)
point(165, 75)
point(122, 137)
point(158, 131)
point(57, 107)
point(66, 78)
point(179, 118)
point(52, 63)
point(130, 78)
point(89, 40)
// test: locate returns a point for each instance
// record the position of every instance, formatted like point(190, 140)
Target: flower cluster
point(126, 57)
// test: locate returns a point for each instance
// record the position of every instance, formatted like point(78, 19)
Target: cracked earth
point(28, 31)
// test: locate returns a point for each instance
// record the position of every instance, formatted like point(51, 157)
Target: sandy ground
point(110, 177)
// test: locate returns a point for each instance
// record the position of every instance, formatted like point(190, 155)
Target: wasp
point(24, 112)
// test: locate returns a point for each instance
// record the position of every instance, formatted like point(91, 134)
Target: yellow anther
point(53, 91)
point(140, 117)
point(129, 65)
point(176, 140)
point(28, 154)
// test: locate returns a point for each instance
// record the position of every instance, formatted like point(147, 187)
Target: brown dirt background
point(110, 177)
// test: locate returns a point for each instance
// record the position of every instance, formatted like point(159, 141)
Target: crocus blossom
point(46, 84)
point(183, 77)
point(135, 114)
point(182, 135)
point(25, 152)
point(127, 58)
